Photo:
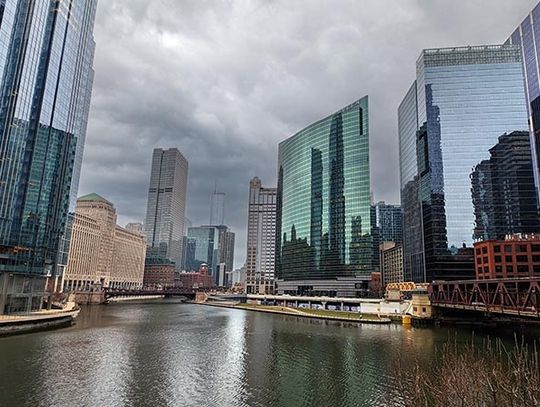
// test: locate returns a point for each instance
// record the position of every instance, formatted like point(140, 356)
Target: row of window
point(522, 248)
point(520, 268)
point(535, 258)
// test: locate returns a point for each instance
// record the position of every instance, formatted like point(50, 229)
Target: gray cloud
point(225, 81)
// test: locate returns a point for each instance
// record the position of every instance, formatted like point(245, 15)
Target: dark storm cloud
point(226, 81)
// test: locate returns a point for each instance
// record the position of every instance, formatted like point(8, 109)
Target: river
point(173, 354)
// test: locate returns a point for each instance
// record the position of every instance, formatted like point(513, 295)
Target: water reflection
point(185, 355)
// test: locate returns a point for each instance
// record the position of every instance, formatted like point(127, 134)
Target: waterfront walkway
point(305, 313)
point(38, 315)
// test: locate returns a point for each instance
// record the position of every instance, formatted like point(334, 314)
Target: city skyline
point(229, 128)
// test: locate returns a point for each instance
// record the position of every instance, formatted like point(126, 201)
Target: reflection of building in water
point(46, 82)
point(503, 190)
point(324, 243)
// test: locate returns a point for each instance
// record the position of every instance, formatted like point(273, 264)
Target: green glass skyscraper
point(46, 76)
point(323, 236)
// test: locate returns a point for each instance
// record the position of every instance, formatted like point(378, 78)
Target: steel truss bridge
point(167, 292)
point(513, 297)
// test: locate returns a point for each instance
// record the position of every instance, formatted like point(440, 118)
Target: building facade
point(159, 273)
point(527, 37)
point(386, 226)
point(129, 253)
point(261, 239)
point(503, 190)
point(391, 263)
point(217, 208)
point(211, 245)
point(202, 247)
point(46, 75)
point(513, 257)
point(82, 271)
point(135, 227)
point(462, 101)
point(165, 211)
point(323, 225)
point(101, 253)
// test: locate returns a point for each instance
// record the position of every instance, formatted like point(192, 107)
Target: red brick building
point(194, 280)
point(158, 275)
point(516, 256)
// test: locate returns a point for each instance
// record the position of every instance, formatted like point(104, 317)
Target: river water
point(173, 354)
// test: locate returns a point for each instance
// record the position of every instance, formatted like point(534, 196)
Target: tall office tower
point(386, 226)
point(165, 211)
point(212, 245)
point(323, 225)
point(217, 208)
point(462, 101)
point(503, 190)
point(261, 238)
point(527, 36)
point(46, 57)
point(226, 241)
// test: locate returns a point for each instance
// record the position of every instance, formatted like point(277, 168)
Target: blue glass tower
point(462, 101)
point(527, 37)
point(46, 75)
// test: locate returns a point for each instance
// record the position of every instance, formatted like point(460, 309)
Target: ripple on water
point(186, 355)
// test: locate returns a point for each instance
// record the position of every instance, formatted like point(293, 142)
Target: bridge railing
point(497, 295)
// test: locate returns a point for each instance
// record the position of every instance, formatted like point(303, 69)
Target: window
point(523, 269)
point(498, 269)
point(507, 248)
point(509, 269)
point(536, 258)
point(535, 247)
point(522, 248)
point(497, 248)
point(508, 259)
point(521, 259)
point(478, 251)
point(497, 259)
point(484, 249)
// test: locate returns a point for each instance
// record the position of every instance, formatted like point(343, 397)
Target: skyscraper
point(261, 238)
point(217, 208)
point(212, 245)
point(462, 101)
point(503, 190)
point(386, 224)
point(527, 37)
point(202, 247)
point(46, 75)
point(165, 211)
point(323, 231)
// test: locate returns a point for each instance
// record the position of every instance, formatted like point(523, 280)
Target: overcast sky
point(225, 81)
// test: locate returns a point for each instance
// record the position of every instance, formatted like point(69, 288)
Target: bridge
point(167, 292)
point(511, 297)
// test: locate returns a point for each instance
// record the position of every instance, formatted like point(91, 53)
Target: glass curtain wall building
point(462, 101)
point(503, 190)
point(46, 75)
point(527, 37)
point(203, 247)
point(386, 226)
point(323, 232)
